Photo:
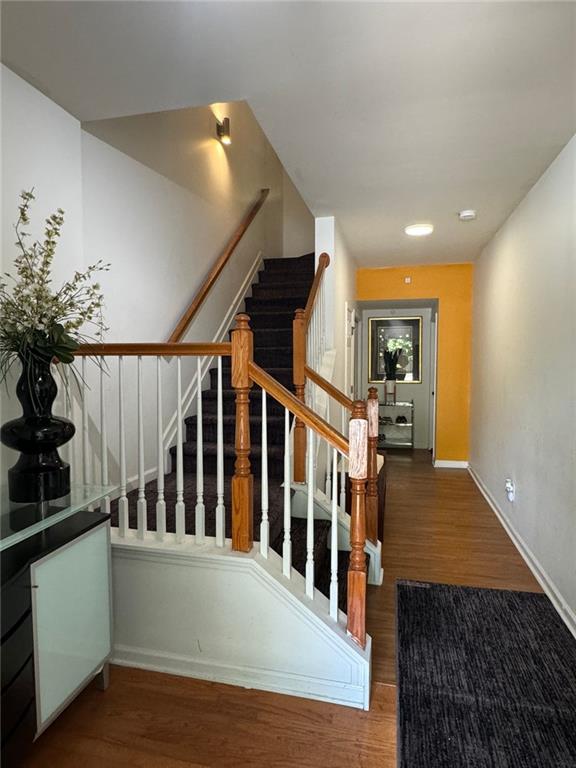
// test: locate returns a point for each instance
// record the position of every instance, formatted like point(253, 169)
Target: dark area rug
point(486, 679)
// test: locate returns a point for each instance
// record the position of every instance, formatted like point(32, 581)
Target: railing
point(166, 357)
point(184, 322)
point(308, 349)
point(115, 433)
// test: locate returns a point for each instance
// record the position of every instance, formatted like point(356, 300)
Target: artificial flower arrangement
point(37, 323)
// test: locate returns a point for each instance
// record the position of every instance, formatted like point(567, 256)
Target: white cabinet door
point(71, 612)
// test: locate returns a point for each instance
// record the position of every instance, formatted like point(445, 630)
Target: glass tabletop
point(19, 520)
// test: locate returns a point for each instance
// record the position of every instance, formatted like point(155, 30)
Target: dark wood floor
point(438, 528)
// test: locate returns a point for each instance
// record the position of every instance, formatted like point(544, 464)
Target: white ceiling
point(382, 113)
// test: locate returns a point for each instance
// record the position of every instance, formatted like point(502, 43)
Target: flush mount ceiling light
point(223, 130)
point(419, 230)
point(469, 214)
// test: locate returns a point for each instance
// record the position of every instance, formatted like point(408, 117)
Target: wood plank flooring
point(438, 528)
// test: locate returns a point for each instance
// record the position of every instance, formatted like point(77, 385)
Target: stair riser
point(279, 357)
point(275, 467)
point(210, 433)
point(280, 291)
point(283, 378)
point(286, 304)
point(281, 320)
point(304, 265)
point(270, 337)
point(209, 404)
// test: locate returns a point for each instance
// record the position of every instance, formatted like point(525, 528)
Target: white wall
point(159, 206)
point(524, 375)
point(298, 222)
point(40, 149)
point(340, 280)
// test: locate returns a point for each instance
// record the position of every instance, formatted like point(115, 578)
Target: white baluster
point(160, 502)
point(264, 524)
point(180, 508)
point(105, 503)
point(328, 489)
point(141, 504)
point(287, 544)
point(123, 521)
point(85, 435)
point(67, 453)
point(343, 464)
point(220, 508)
point(310, 519)
point(200, 508)
point(334, 540)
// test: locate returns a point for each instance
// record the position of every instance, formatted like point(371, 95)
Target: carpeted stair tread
point(280, 290)
point(212, 418)
point(211, 449)
point(265, 304)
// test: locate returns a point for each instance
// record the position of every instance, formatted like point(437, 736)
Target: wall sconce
point(223, 130)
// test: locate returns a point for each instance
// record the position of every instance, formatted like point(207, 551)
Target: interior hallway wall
point(524, 376)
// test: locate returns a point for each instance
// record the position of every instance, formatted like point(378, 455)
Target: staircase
point(283, 286)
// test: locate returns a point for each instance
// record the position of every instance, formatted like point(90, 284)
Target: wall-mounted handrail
point(184, 322)
point(329, 388)
point(323, 262)
point(309, 417)
point(223, 349)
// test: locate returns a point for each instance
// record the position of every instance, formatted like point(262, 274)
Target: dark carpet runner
point(486, 679)
point(283, 286)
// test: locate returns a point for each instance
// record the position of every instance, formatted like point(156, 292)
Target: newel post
point(357, 470)
point(372, 486)
point(299, 363)
point(242, 481)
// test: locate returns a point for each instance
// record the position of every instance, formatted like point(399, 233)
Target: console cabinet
point(55, 623)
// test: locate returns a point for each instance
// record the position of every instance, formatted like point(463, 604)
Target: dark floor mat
point(486, 679)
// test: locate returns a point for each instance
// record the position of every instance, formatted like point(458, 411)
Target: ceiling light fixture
point(419, 230)
point(223, 130)
point(469, 214)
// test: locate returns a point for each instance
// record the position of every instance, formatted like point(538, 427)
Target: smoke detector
point(469, 214)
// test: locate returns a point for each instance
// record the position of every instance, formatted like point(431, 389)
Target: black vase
point(39, 474)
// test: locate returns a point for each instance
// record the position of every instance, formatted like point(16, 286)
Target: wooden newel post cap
point(242, 322)
point(358, 409)
point(299, 314)
point(372, 393)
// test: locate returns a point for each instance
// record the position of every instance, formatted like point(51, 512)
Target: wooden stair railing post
point(299, 375)
point(358, 465)
point(372, 486)
point(242, 481)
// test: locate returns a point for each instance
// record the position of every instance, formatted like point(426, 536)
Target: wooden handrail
point(295, 406)
point(158, 350)
point(329, 388)
point(219, 265)
point(323, 262)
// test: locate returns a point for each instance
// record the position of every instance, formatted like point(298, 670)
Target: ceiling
point(383, 114)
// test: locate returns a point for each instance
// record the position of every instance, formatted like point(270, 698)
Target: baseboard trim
point(246, 677)
point(552, 592)
point(447, 464)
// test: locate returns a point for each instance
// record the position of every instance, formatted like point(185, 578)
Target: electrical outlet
point(510, 489)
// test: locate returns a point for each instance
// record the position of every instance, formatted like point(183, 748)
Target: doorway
point(417, 382)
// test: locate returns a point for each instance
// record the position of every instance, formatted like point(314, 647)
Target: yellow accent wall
point(451, 284)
